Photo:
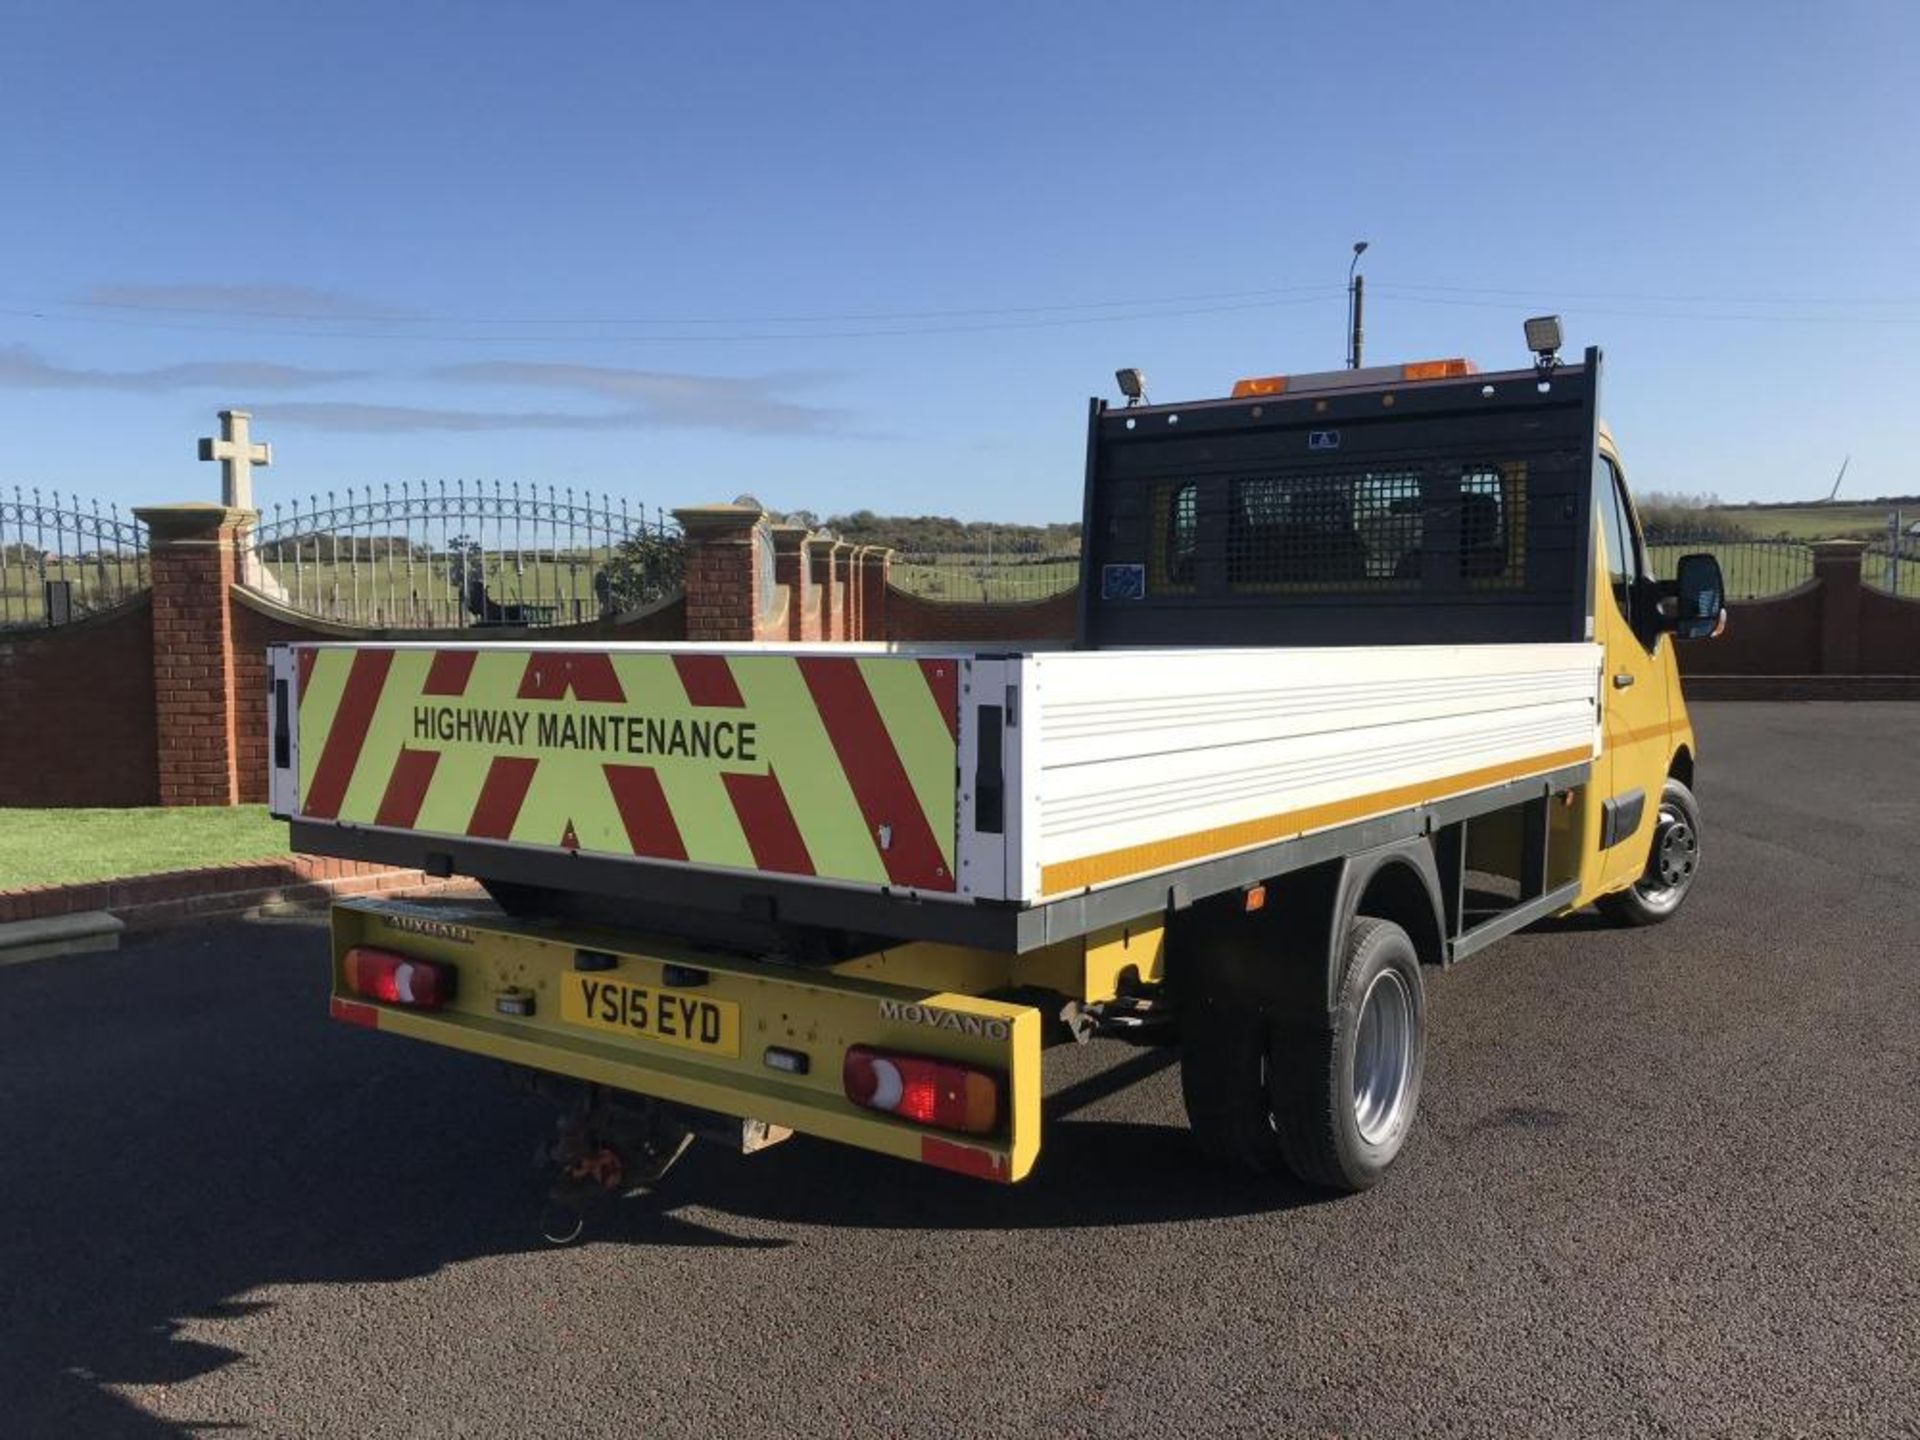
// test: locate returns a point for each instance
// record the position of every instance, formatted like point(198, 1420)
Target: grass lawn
point(1839, 521)
point(64, 847)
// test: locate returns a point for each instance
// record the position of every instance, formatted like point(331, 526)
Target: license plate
point(667, 1017)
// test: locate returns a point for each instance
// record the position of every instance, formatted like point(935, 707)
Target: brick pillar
point(843, 587)
point(1836, 565)
point(792, 567)
point(876, 568)
point(856, 597)
point(193, 563)
point(724, 599)
point(823, 581)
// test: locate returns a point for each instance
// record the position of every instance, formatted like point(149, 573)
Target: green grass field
point(95, 587)
point(68, 847)
point(370, 592)
point(1755, 570)
point(1751, 571)
point(971, 578)
point(376, 592)
point(1811, 522)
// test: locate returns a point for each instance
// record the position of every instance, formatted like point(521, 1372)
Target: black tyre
point(1343, 1099)
point(1226, 1046)
point(1673, 863)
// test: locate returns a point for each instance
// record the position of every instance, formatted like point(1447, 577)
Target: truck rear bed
point(830, 784)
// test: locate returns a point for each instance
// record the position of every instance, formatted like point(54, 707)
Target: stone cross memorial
point(237, 454)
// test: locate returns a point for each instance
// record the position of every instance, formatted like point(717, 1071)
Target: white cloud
point(648, 399)
point(756, 404)
point(347, 415)
point(22, 368)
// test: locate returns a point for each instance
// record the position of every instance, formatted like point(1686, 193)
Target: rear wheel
point(1226, 1054)
point(1334, 1106)
point(1673, 863)
point(1344, 1098)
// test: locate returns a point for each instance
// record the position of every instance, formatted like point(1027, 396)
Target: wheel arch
point(1400, 883)
point(1682, 767)
point(1286, 956)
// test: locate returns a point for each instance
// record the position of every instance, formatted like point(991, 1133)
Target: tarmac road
point(1667, 1182)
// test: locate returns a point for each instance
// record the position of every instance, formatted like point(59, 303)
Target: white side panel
point(283, 711)
point(982, 855)
point(1026, 778)
point(1151, 748)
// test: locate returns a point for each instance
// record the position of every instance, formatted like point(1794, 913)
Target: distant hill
point(1706, 516)
point(1883, 502)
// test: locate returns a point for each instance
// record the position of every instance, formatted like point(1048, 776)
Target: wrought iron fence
point(986, 578)
point(453, 555)
point(1894, 568)
point(63, 560)
point(1753, 569)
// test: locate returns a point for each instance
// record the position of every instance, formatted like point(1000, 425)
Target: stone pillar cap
point(190, 517)
point(719, 517)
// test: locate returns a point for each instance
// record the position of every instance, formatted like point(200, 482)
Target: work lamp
point(1133, 384)
point(1543, 338)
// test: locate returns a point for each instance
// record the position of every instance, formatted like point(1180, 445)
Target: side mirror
point(1700, 595)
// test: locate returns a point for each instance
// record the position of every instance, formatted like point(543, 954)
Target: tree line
point(943, 534)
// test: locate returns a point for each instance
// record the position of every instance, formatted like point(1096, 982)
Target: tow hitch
point(610, 1144)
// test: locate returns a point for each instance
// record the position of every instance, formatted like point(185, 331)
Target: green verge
point(70, 847)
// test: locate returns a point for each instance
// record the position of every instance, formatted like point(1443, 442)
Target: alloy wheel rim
point(1382, 1057)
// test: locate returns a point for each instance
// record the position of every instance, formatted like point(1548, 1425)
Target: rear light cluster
point(395, 979)
point(940, 1093)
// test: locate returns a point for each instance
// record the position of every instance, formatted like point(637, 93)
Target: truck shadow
point(1091, 1173)
point(186, 1131)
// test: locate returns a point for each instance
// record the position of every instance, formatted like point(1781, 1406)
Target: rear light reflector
point(395, 979)
point(940, 1093)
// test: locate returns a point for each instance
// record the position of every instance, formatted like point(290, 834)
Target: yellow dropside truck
point(1370, 672)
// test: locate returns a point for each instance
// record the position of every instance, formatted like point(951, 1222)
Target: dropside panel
point(1150, 760)
point(811, 765)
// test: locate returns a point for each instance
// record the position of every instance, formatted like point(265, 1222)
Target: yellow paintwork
point(1088, 968)
point(813, 1011)
point(1643, 726)
point(1095, 968)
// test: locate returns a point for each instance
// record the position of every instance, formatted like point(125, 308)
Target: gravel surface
point(1666, 1182)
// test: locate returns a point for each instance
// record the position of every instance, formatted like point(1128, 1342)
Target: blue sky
point(871, 255)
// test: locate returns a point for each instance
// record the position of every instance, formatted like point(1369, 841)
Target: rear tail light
point(940, 1093)
point(395, 979)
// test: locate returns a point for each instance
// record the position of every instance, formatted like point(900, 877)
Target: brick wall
point(77, 712)
point(914, 617)
point(1889, 635)
point(1780, 636)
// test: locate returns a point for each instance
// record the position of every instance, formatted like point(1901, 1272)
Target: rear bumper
point(809, 1013)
